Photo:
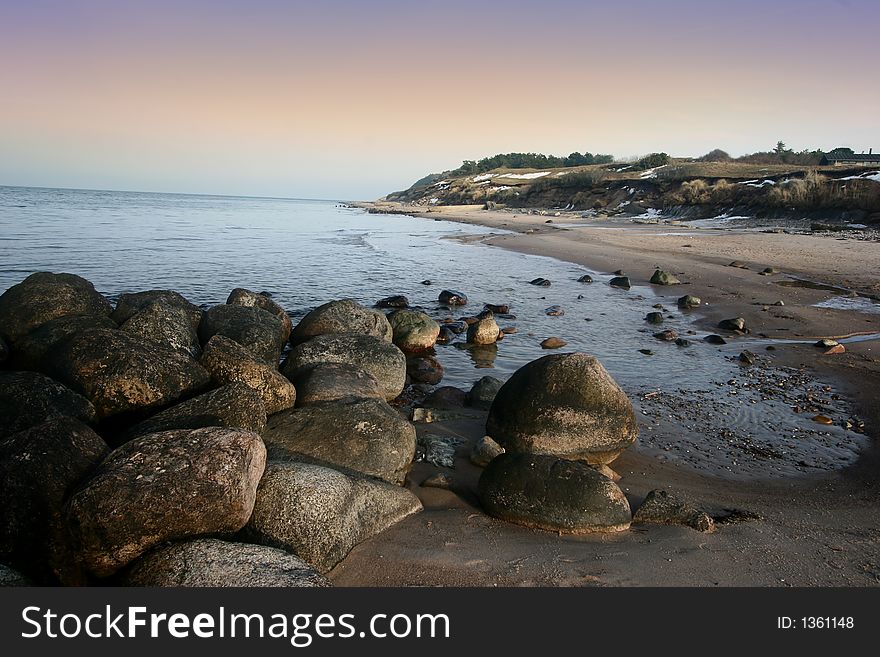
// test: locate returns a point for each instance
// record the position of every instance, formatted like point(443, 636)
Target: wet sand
point(819, 530)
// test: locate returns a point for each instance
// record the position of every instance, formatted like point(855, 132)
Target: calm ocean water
point(308, 252)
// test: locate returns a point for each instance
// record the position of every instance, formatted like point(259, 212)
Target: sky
point(351, 100)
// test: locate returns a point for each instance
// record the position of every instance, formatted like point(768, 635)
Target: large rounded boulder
point(343, 316)
point(44, 296)
point(381, 359)
point(229, 362)
point(320, 514)
point(30, 351)
point(132, 303)
point(28, 399)
point(484, 331)
point(365, 435)
point(413, 330)
point(209, 562)
point(555, 494)
point(167, 324)
point(243, 297)
point(325, 382)
point(259, 331)
point(39, 467)
point(122, 374)
point(565, 405)
point(236, 406)
point(165, 486)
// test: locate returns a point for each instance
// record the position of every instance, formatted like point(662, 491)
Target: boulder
point(242, 297)
point(554, 311)
point(4, 351)
point(131, 304)
point(28, 399)
point(735, 324)
point(621, 282)
point(324, 382)
point(553, 343)
point(413, 331)
point(482, 393)
point(485, 330)
point(228, 362)
point(498, 309)
point(586, 278)
point(565, 405)
point(484, 450)
point(424, 369)
point(395, 301)
point(689, 301)
point(714, 339)
point(554, 494)
point(446, 397)
point(540, 282)
point(259, 331)
point(380, 358)
point(234, 406)
point(452, 298)
point(364, 435)
point(30, 351)
point(122, 374)
point(165, 486)
point(320, 514)
point(661, 277)
point(44, 296)
point(669, 335)
point(654, 318)
point(38, 468)
point(344, 316)
point(166, 324)
point(662, 508)
point(209, 562)
point(446, 335)
point(10, 577)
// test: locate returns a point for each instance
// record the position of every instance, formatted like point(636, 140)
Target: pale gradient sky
point(349, 100)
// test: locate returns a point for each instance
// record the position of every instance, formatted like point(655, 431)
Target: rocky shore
point(155, 442)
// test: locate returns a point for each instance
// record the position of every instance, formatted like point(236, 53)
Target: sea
point(307, 252)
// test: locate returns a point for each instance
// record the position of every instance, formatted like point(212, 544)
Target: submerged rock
point(165, 486)
point(229, 362)
point(654, 318)
point(120, 373)
point(424, 369)
point(452, 298)
point(565, 405)
point(540, 282)
point(586, 278)
point(44, 296)
point(395, 301)
point(384, 361)
point(554, 494)
point(621, 282)
point(667, 336)
point(320, 514)
point(554, 311)
point(714, 339)
point(209, 562)
point(343, 316)
point(553, 343)
point(365, 435)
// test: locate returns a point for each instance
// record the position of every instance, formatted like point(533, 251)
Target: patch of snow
point(649, 213)
point(563, 173)
point(483, 176)
point(870, 175)
point(440, 182)
point(499, 189)
point(758, 183)
point(855, 304)
point(433, 200)
point(526, 176)
point(485, 182)
point(651, 173)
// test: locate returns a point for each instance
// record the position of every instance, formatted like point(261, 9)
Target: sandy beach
point(819, 530)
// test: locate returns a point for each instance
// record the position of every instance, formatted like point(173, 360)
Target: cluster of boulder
point(158, 443)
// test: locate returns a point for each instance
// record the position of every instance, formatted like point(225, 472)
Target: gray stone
point(662, 508)
point(122, 374)
point(243, 297)
point(553, 343)
point(564, 405)
point(39, 467)
point(365, 435)
point(165, 486)
point(28, 399)
point(10, 577)
point(166, 324)
point(258, 330)
point(661, 277)
point(621, 282)
point(452, 298)
point(482, 393)
point(446, 397)
point(381, 359)
point(413, 331)
point(209, 562)
point(30, 352)
point(320, 514)
point(484, 450)
point(131, 304)
point(554, 494)
point(424, 369)
point(324, 382)
point(484, 331)
point(689, 301)
point(735, 324)
point(343, 316)
point(234, 406)
point(44, 296)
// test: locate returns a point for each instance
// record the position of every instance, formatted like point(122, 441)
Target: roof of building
point(861, 157)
